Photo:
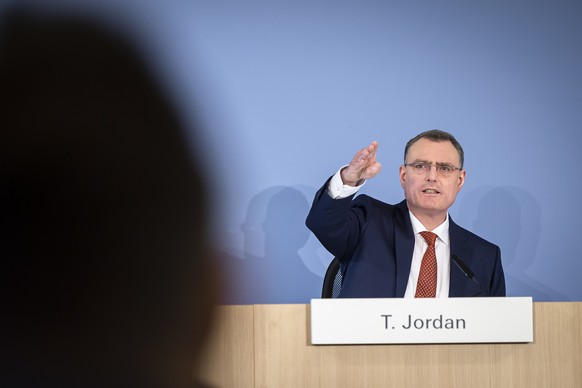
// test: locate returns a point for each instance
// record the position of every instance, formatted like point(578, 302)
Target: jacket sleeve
point(338, 223)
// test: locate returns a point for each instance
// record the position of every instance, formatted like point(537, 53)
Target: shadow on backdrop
point(315, 257)
point(270, 268)
point(511, 218)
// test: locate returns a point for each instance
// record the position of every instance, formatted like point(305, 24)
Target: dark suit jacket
point(374, 242)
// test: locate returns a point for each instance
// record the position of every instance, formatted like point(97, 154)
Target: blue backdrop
point(290, 90)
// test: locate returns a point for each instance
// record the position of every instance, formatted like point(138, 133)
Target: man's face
point(430, 194)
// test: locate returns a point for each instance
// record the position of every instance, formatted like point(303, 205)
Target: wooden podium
point(268, 346)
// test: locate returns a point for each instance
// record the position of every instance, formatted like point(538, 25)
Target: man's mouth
point(430, 191)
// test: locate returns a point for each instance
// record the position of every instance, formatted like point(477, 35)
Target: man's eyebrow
point(415, 161)
point(419, 161)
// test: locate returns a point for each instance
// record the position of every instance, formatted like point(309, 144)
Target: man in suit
point(384, 249)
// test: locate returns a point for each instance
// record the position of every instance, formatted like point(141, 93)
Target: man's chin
point(428, 210)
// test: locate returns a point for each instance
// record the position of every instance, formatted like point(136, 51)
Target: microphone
point(466, 270)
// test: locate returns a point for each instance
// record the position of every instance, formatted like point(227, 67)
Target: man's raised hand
point(363, 166)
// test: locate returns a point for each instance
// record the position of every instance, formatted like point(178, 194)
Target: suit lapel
point(404, 244)
point(460, 285)
point(457, 281)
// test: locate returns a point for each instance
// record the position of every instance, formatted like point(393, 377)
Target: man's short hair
point(438, 136)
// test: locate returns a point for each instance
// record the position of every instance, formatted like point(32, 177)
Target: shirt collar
point(442, 231)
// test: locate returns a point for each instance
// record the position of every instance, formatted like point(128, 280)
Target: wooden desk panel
point(230, 359)
point(283, 356)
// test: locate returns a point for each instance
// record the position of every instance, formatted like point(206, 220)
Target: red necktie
point(427, 278)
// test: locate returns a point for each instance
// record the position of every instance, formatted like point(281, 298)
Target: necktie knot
point(429, 237)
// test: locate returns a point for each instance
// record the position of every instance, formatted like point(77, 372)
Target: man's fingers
point(362, 166)
point(361, 156)
point(373, 170)
point(368, 153)
point(364, 162)
point(372, 148)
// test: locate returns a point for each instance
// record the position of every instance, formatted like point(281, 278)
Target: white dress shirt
point(337, 190)
point(443, 252)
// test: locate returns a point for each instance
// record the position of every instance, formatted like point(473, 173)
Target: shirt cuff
point(336, 188)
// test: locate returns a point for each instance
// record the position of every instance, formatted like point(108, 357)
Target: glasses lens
point(443, 170)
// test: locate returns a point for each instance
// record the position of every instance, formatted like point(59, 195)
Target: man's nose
point(432, 173)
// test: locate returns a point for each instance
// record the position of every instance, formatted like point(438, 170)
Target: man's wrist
point(338, 190)
point(349, 182)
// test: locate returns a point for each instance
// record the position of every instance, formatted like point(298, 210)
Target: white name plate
point(417, 321)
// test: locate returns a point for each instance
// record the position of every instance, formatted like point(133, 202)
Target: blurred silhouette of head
point(105, 277)
point(283, 223)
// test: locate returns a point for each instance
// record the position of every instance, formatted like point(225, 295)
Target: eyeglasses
point(442, 169)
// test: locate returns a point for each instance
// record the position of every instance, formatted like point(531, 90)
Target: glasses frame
point(428, 166)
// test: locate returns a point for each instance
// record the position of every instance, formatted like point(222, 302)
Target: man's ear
point(462, 176)
point(402, 174)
